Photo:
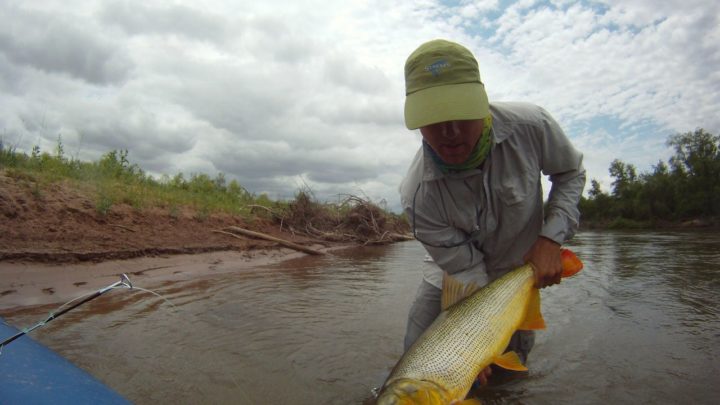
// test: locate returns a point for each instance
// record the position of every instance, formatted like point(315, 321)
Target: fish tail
point(570, 263)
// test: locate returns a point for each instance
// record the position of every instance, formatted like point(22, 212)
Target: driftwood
point(122, 227)
point(389, 237)
point(234, 229)
point(253, 206)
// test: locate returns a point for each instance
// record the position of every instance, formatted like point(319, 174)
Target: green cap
point(442, 83)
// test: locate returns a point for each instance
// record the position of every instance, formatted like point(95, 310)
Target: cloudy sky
point(282, 94)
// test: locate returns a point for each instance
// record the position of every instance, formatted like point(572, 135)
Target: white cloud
point(281, 94)
point(139, 18)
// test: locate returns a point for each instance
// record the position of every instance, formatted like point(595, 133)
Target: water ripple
point(642, 316)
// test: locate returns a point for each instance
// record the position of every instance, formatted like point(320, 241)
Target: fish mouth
point(409, 391)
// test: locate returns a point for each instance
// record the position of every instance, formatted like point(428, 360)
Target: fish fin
point(534, 319)
point(570, 263)
point(454, 291)
point(510, 361)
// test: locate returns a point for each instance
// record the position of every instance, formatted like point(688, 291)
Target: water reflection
point(639, 324)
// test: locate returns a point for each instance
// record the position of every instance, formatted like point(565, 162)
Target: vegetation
point(114, 180)
point(685, 188)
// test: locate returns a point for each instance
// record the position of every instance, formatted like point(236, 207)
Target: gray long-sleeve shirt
point(501, 202)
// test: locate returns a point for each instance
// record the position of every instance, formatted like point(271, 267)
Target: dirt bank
point(56, 245)
point(61, 225)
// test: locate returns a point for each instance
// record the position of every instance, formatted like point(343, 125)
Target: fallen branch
point(286, 243)
point(122, 227)
point(253, 206)
point(389, 237)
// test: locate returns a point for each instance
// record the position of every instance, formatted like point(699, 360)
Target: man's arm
point(563, 163)
point(432, 231)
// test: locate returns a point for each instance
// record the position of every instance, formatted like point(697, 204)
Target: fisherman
point(473, 191)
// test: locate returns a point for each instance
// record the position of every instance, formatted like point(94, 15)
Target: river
point(640, 324)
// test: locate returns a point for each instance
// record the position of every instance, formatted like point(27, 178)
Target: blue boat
point(31, 373)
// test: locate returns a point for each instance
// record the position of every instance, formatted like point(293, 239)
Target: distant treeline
point(687, 187)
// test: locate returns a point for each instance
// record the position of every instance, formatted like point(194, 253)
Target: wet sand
point(25, 284)
point(55, 245)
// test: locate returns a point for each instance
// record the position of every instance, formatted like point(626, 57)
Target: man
point(473, 191)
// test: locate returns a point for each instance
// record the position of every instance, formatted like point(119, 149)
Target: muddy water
point(639, 325)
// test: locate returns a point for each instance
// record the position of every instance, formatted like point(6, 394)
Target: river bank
point(25, 284)
point(654, 225)
point(55, 244)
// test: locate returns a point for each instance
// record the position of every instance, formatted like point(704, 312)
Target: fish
point(471, 333)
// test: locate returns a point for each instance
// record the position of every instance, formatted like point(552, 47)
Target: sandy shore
point(55, 245)
point(30, 284)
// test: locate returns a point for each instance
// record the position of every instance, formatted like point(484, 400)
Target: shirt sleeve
point(563, 164)
point(465, 262)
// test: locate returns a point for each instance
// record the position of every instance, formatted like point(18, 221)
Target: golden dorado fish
point(441, 366)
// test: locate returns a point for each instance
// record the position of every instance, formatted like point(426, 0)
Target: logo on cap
point(437, 67)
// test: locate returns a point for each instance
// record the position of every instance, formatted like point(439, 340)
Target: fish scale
point(442, 354)
point(441, 366)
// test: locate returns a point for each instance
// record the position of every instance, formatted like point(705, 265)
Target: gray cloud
point(52, 43)
point(97, 127)
point(139, 18)
point(266, 160)
point(355, 74)
point(281, 94)
point(279, 38)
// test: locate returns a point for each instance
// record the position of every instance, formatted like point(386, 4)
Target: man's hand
point(544, 256)
point(482, 378)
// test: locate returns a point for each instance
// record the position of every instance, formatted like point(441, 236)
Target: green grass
point(113, 180)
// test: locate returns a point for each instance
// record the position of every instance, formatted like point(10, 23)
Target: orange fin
point(454, 291)
point(534, 319)
point(570, 263)
point(510, 361)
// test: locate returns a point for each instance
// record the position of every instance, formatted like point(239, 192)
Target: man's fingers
point(484, 375)
point(482, 379)
point(536, 274)
point(551, 279)
point(545, 278)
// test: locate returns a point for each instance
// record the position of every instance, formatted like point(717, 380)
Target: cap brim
point(464, 101)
